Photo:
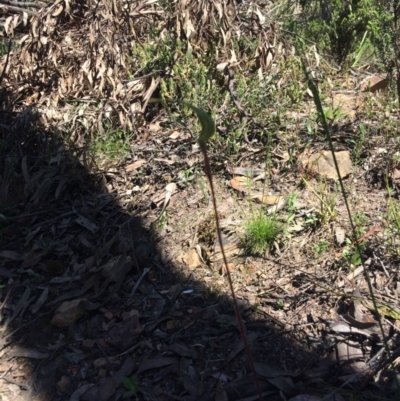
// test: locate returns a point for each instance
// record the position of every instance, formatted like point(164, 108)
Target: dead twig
point(134, 289)
point(7, 8)
point(231, 81)
point(11, 381)
point(22, 4)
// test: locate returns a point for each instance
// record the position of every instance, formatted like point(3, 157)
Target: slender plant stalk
point(208, 129)
point(320, 110)
point(321, 113)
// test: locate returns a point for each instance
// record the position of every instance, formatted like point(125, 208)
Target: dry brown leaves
point(75, 51)
point(224, 23)
point(84, 51)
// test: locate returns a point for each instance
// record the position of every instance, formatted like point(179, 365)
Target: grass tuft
point(113, 148)
point(261, 232)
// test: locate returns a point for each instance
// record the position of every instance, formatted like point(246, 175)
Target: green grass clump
point(261, 232)
point(112, 147)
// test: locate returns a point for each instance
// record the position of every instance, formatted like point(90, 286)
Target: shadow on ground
point(93, 309)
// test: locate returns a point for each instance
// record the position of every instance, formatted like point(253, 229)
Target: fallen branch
point(21, 4)
point(20, 10)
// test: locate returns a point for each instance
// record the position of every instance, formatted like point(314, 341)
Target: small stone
point(340, 235)
point(192, 259)
point(124, 334)
point(68, 313)
point(100, 362)
point(63, 384)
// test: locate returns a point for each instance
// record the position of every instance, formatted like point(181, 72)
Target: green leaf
point(127, 382)
point(207, 125)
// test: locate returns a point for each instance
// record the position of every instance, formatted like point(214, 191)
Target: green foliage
point(327, 206)
point(187, 175)
point(351, 252)
point(258, 96)
point(333, 114)
point(353, 30)
point(321, 247)
point(112, 147)
point(385, 27)
point(364, 51)
point(359, 143)
point(360, 221)
point(207, 125)
point(131, 384)
point(188, 77)
point(394, 215)
point(185, 76)
point(191, 78)
point(292, 199)
point(261, 231)
point(3, 47)
point(153, 56)
point(338, 27)
point(294, 89)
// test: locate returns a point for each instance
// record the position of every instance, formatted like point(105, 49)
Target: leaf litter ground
point(111, 276)
point(97, 286)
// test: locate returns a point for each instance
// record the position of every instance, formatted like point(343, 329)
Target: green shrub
point(337, 26)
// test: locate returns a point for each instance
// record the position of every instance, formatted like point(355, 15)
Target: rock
point(68, 313)
point(340, 235)
point(123, 335)
point(347, 103)
point(63, 384)
point(374, 83)
point(322, 163)
point(193, 259)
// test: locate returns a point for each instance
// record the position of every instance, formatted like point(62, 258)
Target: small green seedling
point(114, 147)
point(131, 384)
point(292, 198)
point(187, 175)
point(327, 212)
point(351, 254)
point(334, 114)
point(320, 248)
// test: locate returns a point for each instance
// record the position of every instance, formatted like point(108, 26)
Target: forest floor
point(111, 279)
